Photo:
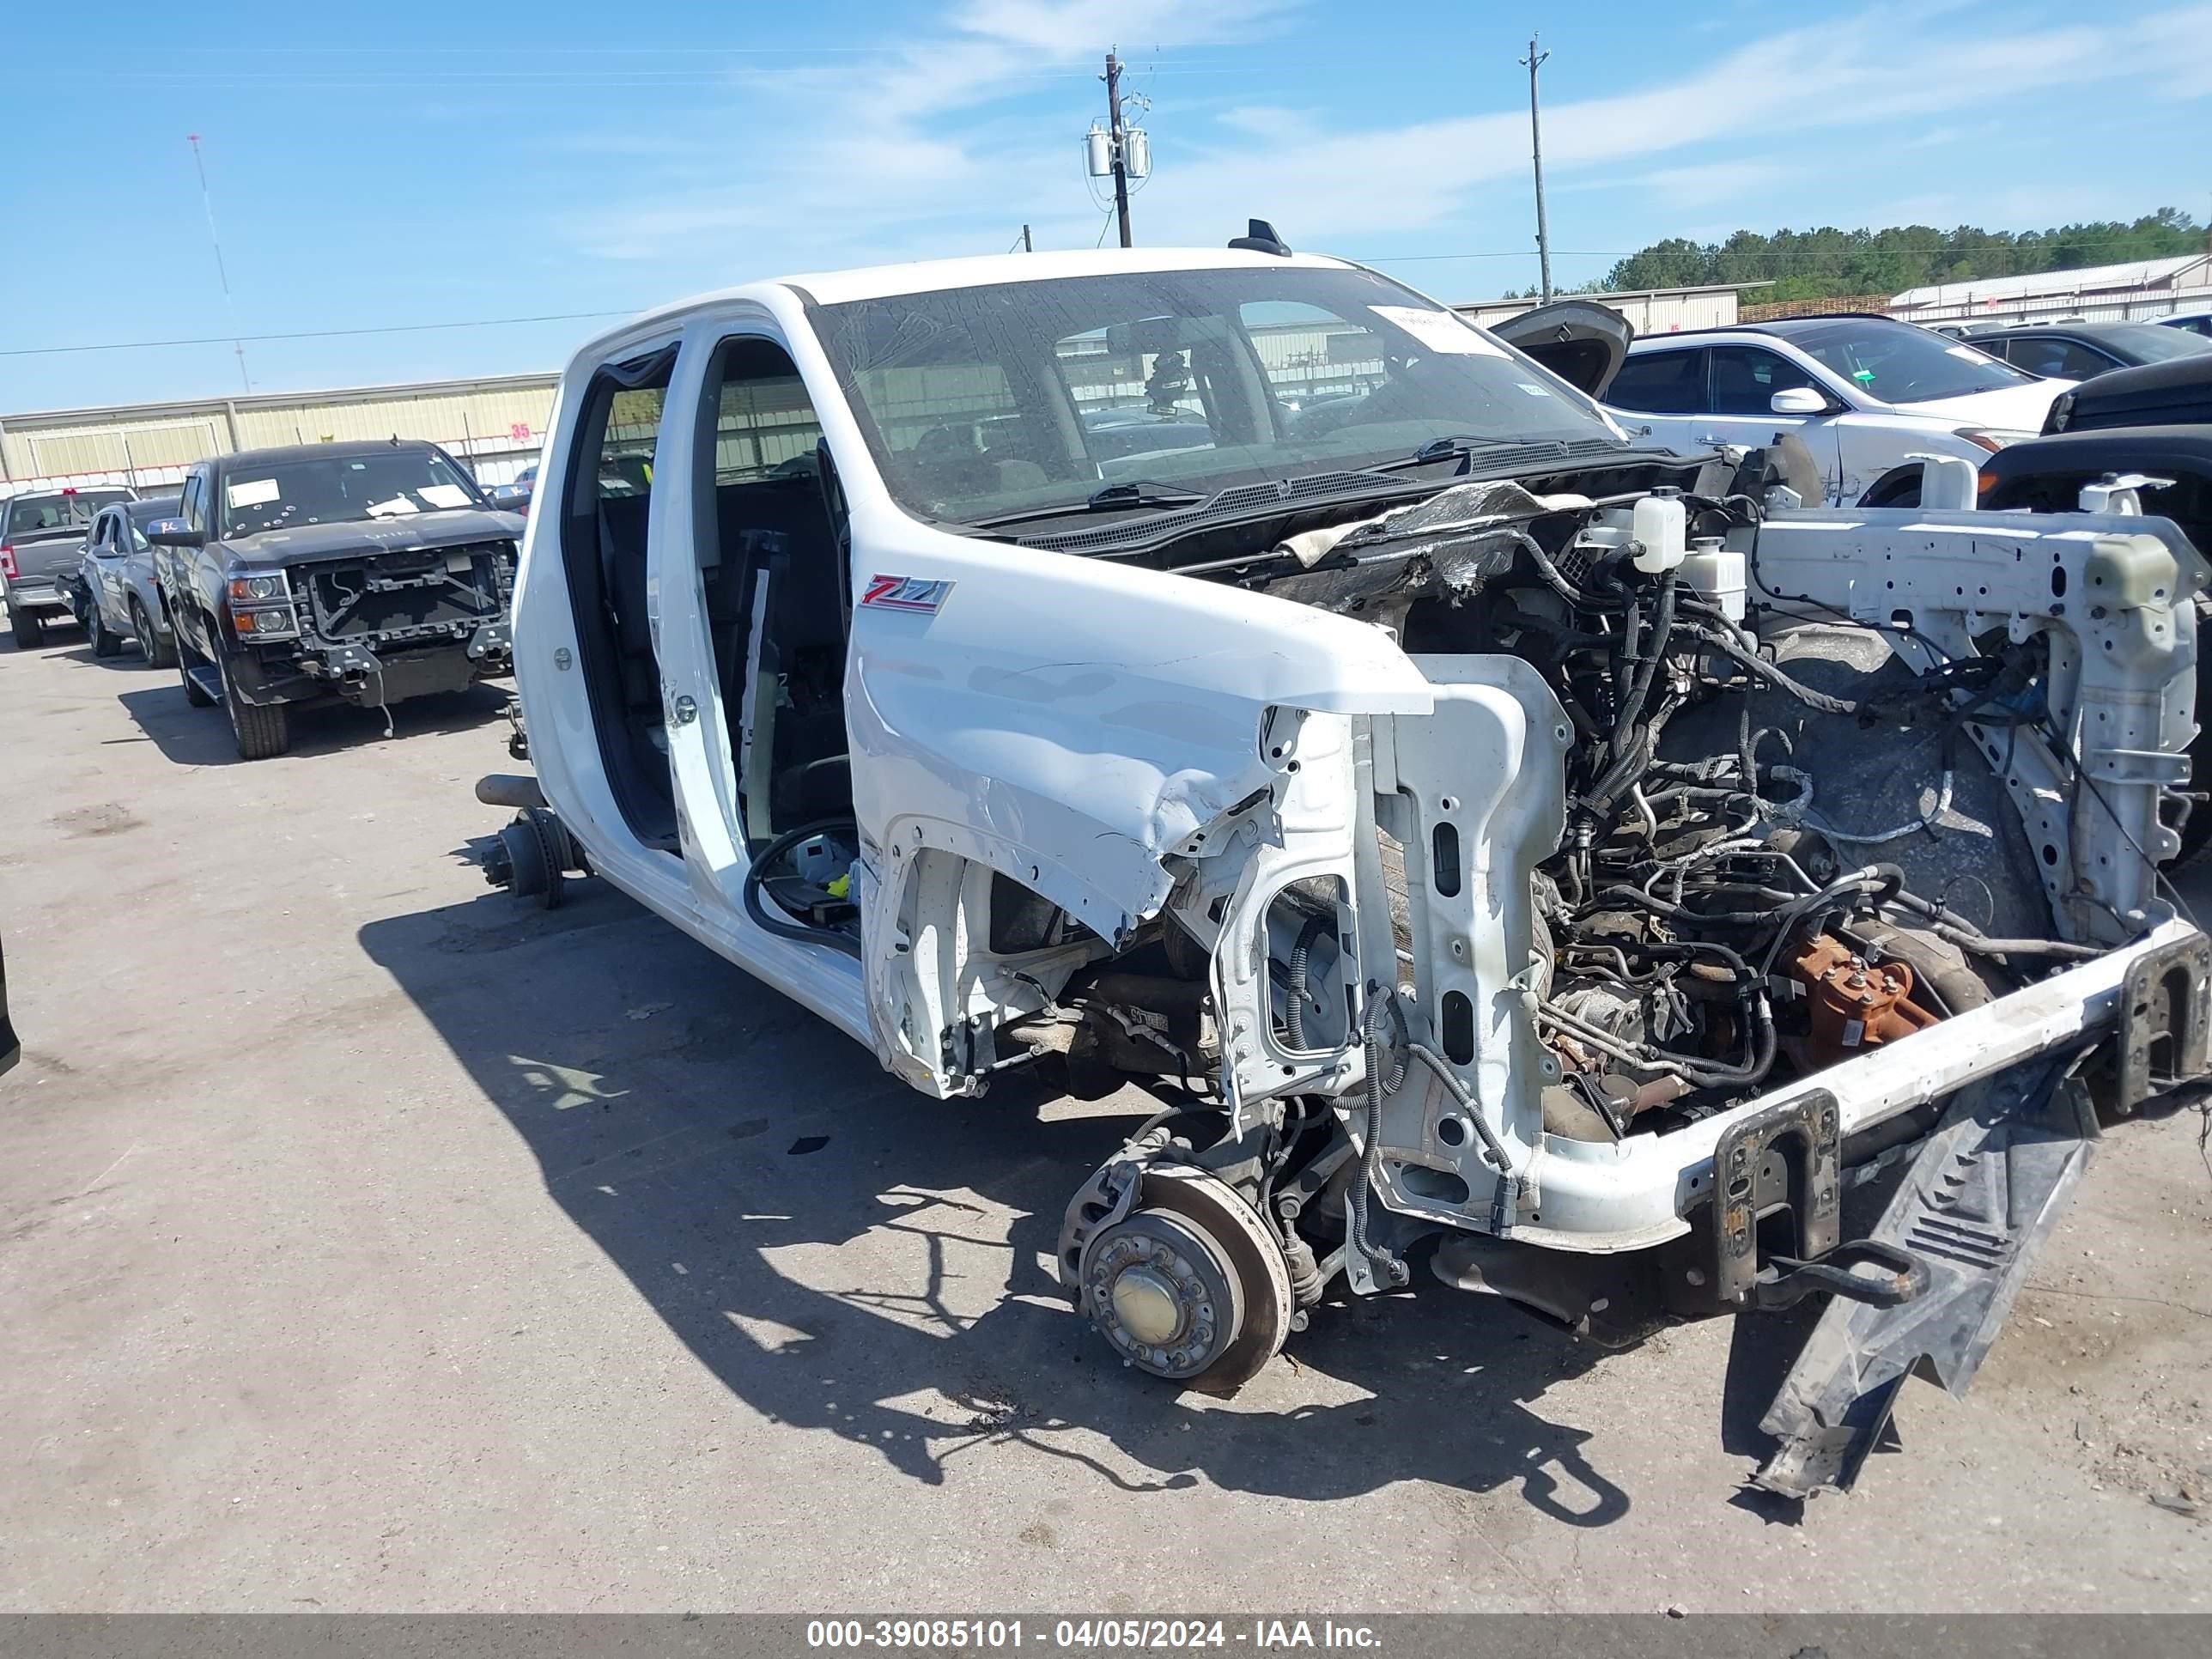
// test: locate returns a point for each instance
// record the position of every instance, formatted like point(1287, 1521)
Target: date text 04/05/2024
point(1079, 1635)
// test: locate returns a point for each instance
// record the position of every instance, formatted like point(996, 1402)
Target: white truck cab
point(1506, 851)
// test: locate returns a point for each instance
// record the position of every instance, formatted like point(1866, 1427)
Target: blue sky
point(411, 163)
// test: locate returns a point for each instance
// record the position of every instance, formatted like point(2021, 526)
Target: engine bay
point(1788, 831)
point(1780, 846)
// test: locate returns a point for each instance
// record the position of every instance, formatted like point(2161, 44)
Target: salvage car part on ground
point(1509, 854)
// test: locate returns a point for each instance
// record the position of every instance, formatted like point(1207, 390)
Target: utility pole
point(1113, 125)
point(207, 203)
point(1533, 62)
point(1026, 246)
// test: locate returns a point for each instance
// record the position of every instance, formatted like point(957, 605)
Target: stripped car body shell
point(1173, 763)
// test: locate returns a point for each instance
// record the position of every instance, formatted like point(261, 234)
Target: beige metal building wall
point(497, 423)
point(1651, 311)
point(2141, 292)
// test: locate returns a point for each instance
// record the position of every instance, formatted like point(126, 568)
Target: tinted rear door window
point(2067, 360)
point(1661, 383)
point(32, 516)
point(1746, 378)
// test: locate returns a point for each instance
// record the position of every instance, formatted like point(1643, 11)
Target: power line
point(229, 308)
point(630, 310)
point(315, 333)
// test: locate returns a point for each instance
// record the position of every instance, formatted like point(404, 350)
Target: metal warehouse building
point(1652, 310)
point(497, 423)
point(2144, 291)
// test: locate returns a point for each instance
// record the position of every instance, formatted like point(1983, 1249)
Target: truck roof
point(933, 276)
point(351, 447)
point(930, 276)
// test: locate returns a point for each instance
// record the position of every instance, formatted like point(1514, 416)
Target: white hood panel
point(2014, 409)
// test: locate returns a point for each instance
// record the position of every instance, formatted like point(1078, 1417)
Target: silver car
point(122, 601)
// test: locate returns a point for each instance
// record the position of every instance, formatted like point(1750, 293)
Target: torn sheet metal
point(1452, 542)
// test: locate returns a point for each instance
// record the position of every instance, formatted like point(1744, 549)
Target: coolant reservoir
point(1660, 523)
point(1717, 573)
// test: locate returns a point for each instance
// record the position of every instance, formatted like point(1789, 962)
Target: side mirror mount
point(1799, 400)
point(173, 532)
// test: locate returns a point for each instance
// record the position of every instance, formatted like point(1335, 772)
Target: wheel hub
point(1144, 1302)
point(1163, 1293)
point(1187, 1284)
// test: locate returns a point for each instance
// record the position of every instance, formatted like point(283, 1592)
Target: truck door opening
point(775, 591)
point(606, 502)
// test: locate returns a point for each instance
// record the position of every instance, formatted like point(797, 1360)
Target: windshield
point(981, 403)
point(1900, 363)
point(28, 515)
point(339, 489)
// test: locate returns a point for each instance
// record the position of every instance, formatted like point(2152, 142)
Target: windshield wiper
point(1139, 493)
point(1454, 446)
point(1114, 498)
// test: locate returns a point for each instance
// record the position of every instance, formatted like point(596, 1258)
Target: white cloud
point(930, 148)
point(897, 154)
point(1759, 110)
point(1069, 27)
point(2176, 50)
point(1701, 185)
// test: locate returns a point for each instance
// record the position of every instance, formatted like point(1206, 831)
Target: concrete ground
point(370, 1240)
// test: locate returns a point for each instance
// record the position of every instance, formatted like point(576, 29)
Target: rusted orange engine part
point(1855, 1005)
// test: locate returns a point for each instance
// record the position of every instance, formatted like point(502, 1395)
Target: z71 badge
point(904, 594)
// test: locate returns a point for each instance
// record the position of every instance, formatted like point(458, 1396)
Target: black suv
point(2080, 351)
point(366, 573)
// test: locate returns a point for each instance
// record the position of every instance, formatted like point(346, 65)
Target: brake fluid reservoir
point(1718, 574)
point(1661, 525)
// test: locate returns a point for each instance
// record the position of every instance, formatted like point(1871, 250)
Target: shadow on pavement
point(201, 737)
point(129, 657)
point(717, 1142)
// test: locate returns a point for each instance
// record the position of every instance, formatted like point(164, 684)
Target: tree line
point(1811, 265)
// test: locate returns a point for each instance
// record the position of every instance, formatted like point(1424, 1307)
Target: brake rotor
point(531, 858)
point(1189, 1285)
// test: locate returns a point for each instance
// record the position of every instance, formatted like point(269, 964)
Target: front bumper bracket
point(1788, 1156)
point(2166, 1020)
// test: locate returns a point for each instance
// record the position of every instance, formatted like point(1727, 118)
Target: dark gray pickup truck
point(365, 573)
point(41, 538)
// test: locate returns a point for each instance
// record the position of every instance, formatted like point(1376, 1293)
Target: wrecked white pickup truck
point(1556, 867)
